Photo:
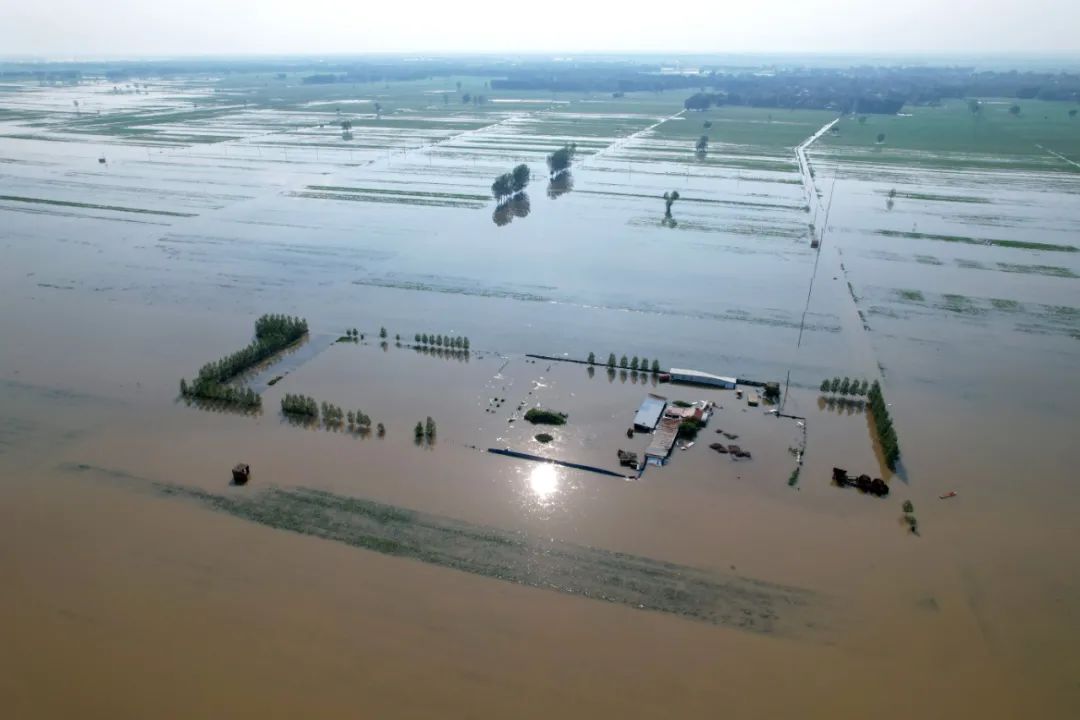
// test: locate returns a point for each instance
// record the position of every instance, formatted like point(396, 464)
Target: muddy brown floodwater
point(358, 574)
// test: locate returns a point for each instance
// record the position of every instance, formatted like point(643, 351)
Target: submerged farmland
point(146, 227)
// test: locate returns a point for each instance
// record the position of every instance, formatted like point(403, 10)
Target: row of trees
point(239, 396)
point(305, 406)
point(359, 419)
point(457, 342)
point(332, 414)
point(635, 364)
point(273, 333)
point(354, 335)
point(847, 386)
point(883, 424)
point(299, 405)
point(512, 183)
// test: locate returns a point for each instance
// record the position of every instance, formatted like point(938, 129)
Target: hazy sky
point(66, 28)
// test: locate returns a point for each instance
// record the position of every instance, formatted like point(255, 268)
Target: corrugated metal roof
point(702, 375)
point(663, 438)
point(649, 412)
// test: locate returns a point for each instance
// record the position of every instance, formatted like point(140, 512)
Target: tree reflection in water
point(560, 185)
point(517, 206)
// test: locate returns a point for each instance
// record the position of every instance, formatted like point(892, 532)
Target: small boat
point(687, 446)
point(946, 496)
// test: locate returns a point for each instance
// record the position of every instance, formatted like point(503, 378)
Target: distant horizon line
point(1072, 55)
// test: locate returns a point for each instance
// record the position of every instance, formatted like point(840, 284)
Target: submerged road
point(804, 166)
point(624, 140)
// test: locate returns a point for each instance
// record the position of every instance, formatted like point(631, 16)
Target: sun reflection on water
point(544, 481)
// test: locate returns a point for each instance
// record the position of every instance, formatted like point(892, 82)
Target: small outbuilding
point(652, 407)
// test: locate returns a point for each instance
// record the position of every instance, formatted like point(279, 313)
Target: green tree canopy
point(520, 177)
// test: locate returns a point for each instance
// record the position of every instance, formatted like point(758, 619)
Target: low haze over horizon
point(65, 29)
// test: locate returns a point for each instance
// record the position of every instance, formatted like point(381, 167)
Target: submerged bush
point(540, 416)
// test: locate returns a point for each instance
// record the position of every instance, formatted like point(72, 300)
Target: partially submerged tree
point(702, 144)
point(669, 200)
point(520, 178)
point(559, 161)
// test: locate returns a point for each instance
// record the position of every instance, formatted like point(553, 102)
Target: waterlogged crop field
point(147, 223)
point(250, 178)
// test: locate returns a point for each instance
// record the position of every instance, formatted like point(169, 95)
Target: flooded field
point(147, 227)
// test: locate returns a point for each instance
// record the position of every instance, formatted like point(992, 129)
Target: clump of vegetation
point(669, 200)
point(592, 358)
point(332, 414)
point(688, 428)
point(299, 405)
point(559, 161)
point(418, 431)
point(541, 416)
point(702, 145)
point(772, 392)
point(909, 517)
point(429, 428)
point(380, 429)
point(681, 403)
point(794, 477)
point(511, 184)
point(883, 425)
point(543, 437)
point(273, 333)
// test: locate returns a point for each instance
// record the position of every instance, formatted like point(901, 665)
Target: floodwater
point(125, 601)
